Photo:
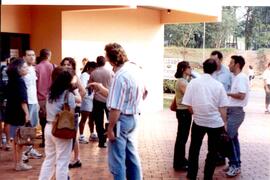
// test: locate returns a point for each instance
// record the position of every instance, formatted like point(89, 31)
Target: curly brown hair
point(116, 54)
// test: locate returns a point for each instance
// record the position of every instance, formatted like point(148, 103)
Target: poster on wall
point(170, 66)
point(14, 53)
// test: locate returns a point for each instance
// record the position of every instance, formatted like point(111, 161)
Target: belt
point(130, 114)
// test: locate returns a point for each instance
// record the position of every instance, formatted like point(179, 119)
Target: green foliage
point(254, 26)
point(169, 86)
point(217, 34)
point(166, 103)
point(191, 35)
point(185, 35)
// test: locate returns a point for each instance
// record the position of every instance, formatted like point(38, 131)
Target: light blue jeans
point(123, 157)
point(33, 114)
point(236, 116)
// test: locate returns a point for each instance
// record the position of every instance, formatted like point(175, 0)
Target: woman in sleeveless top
point(183, 116)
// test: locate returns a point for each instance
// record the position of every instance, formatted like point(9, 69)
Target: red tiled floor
point(156, 144)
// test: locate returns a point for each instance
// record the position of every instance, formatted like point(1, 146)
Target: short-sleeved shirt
point(56, 106)
point(224, 76)
point(126, 91)
point(205, 95)
point(266, 76)
point(104, 76)
point(87, 101)
point(31, 85)
point(84, 78)
point(179, 95)
point(16, 95)
point(240, 84)
point(44, 72)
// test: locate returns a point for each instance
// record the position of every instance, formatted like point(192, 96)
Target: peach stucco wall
point(46, 30)
point(43, 23)
point(15, 19)
point(85, 33)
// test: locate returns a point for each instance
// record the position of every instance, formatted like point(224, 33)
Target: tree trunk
point(248, 28)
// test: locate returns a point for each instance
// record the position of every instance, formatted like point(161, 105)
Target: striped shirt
point(126, 90)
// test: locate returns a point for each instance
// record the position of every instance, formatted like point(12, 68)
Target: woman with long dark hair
point(17, 109)
point(79, 92)
point(58, 151)
point(183, 116)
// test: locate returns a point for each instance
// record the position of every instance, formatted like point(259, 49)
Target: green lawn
point(193, 55)
point(167, 99)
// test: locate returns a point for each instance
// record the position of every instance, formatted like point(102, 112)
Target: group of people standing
point(117, 92)
point(210, 104)
point(215, 102)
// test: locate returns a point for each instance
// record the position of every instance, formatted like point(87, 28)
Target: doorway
point(13, 45)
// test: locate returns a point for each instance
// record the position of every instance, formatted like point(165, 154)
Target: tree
point(191, 35)
point(256, 27)
point(217, 34)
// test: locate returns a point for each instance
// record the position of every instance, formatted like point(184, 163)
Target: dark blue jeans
point(235, 116)
point(197, 134)
point(184, 122)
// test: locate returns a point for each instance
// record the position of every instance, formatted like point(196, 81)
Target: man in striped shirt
point(125, 94)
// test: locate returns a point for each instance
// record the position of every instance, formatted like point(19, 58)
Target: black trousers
point(197, 134)
point(184, 122)
point(98, 115)
point(42, 119)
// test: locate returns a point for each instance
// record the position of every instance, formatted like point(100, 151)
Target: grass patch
point(167, 100)
point(193, 55)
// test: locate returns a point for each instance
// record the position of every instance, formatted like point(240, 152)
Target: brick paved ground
point(156, 143)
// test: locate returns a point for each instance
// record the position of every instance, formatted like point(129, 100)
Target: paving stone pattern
point(157, 133)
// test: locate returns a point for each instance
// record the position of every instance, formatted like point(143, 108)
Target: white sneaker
point(82, 140)
point(233, 171)
point(34, 154)
point(93, 137)
point(25, 158)
point(23, 167)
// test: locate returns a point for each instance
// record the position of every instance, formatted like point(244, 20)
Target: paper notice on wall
point(170, 66)
point(14, 53)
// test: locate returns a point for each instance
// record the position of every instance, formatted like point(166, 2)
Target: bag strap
point(66, 106)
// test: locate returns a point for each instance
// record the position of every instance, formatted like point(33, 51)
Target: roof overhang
point(181, 11)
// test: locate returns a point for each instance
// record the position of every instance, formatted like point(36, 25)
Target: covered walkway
point(156, 144)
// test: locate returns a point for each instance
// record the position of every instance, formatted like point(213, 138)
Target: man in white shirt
point(207, 100)
point(266, 80)
point(238, 98)
point(30, 82)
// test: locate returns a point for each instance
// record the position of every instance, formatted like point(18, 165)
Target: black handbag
point(224, 144)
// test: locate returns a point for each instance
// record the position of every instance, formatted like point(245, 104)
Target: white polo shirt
point(240, 83)
point(30, 82)
point(205, 95)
